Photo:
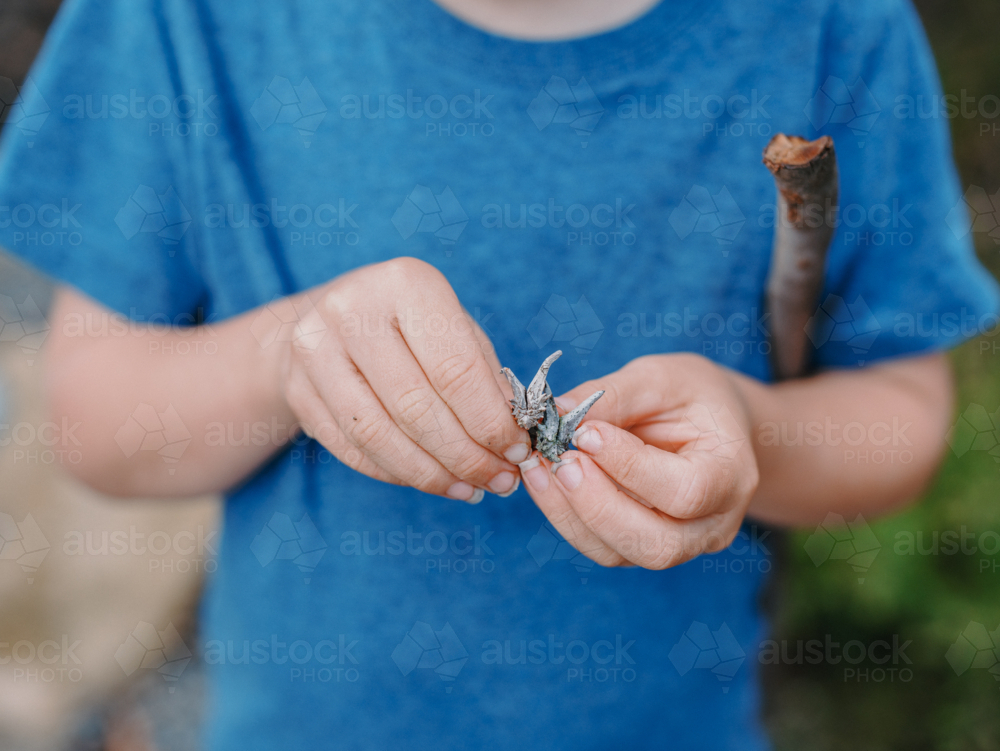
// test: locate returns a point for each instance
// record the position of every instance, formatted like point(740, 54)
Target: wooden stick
point(805, 173)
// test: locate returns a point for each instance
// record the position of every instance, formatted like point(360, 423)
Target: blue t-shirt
point(187, 160)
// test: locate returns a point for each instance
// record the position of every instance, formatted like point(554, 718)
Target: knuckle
point(603, 556)
point(415, 406)
point(408, 265)
point(598, 516)
point(349, 455)
point(341, 301)
point(568, 524)
point(667, 556)
point(631, 466)
point(405, 270)
point(495, 432)
point(689, 360)
point(729, 534)
point(692, 499)
point(428, 478)
point(455, 374)
point(473, 463)
point(721, 536)
point(371, 432)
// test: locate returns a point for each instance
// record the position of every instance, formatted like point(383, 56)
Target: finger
point(460, 371)
point(317, 422)
point(685, 486)
point(489, 352)
point(362, 418)
point(644, 536)
point(628, 398)
point(652, 387)
point(387, 365)
point(552, 502)
point(485, 346)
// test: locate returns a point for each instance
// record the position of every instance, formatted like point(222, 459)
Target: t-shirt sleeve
point(902, 274)
point(93, 186)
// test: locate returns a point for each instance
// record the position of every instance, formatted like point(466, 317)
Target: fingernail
point(570, 473)
point(463, 491)
point(535, 475)
point(517, 484)
point(517, 453)
point(588, 439)
point(505, 482)
point(565, 403)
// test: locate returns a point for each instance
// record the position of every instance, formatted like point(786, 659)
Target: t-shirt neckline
point(633, 46)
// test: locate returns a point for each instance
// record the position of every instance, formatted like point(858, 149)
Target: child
point(363, 209)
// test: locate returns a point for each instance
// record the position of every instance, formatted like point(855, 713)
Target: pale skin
point(392, 401)
point(669, 462)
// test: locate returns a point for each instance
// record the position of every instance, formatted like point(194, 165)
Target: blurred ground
point(929, 598)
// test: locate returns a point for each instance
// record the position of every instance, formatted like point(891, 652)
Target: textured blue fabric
point(604, 196)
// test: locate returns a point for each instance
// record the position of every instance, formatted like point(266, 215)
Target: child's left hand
point(664, 469)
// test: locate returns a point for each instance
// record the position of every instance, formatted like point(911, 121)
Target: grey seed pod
point(534, 409)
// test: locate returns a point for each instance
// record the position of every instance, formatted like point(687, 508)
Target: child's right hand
point(392, 376)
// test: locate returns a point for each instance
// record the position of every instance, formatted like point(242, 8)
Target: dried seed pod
point(528, 404)
point(535, 411)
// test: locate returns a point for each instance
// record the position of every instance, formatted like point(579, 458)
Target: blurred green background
point(929, 599)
